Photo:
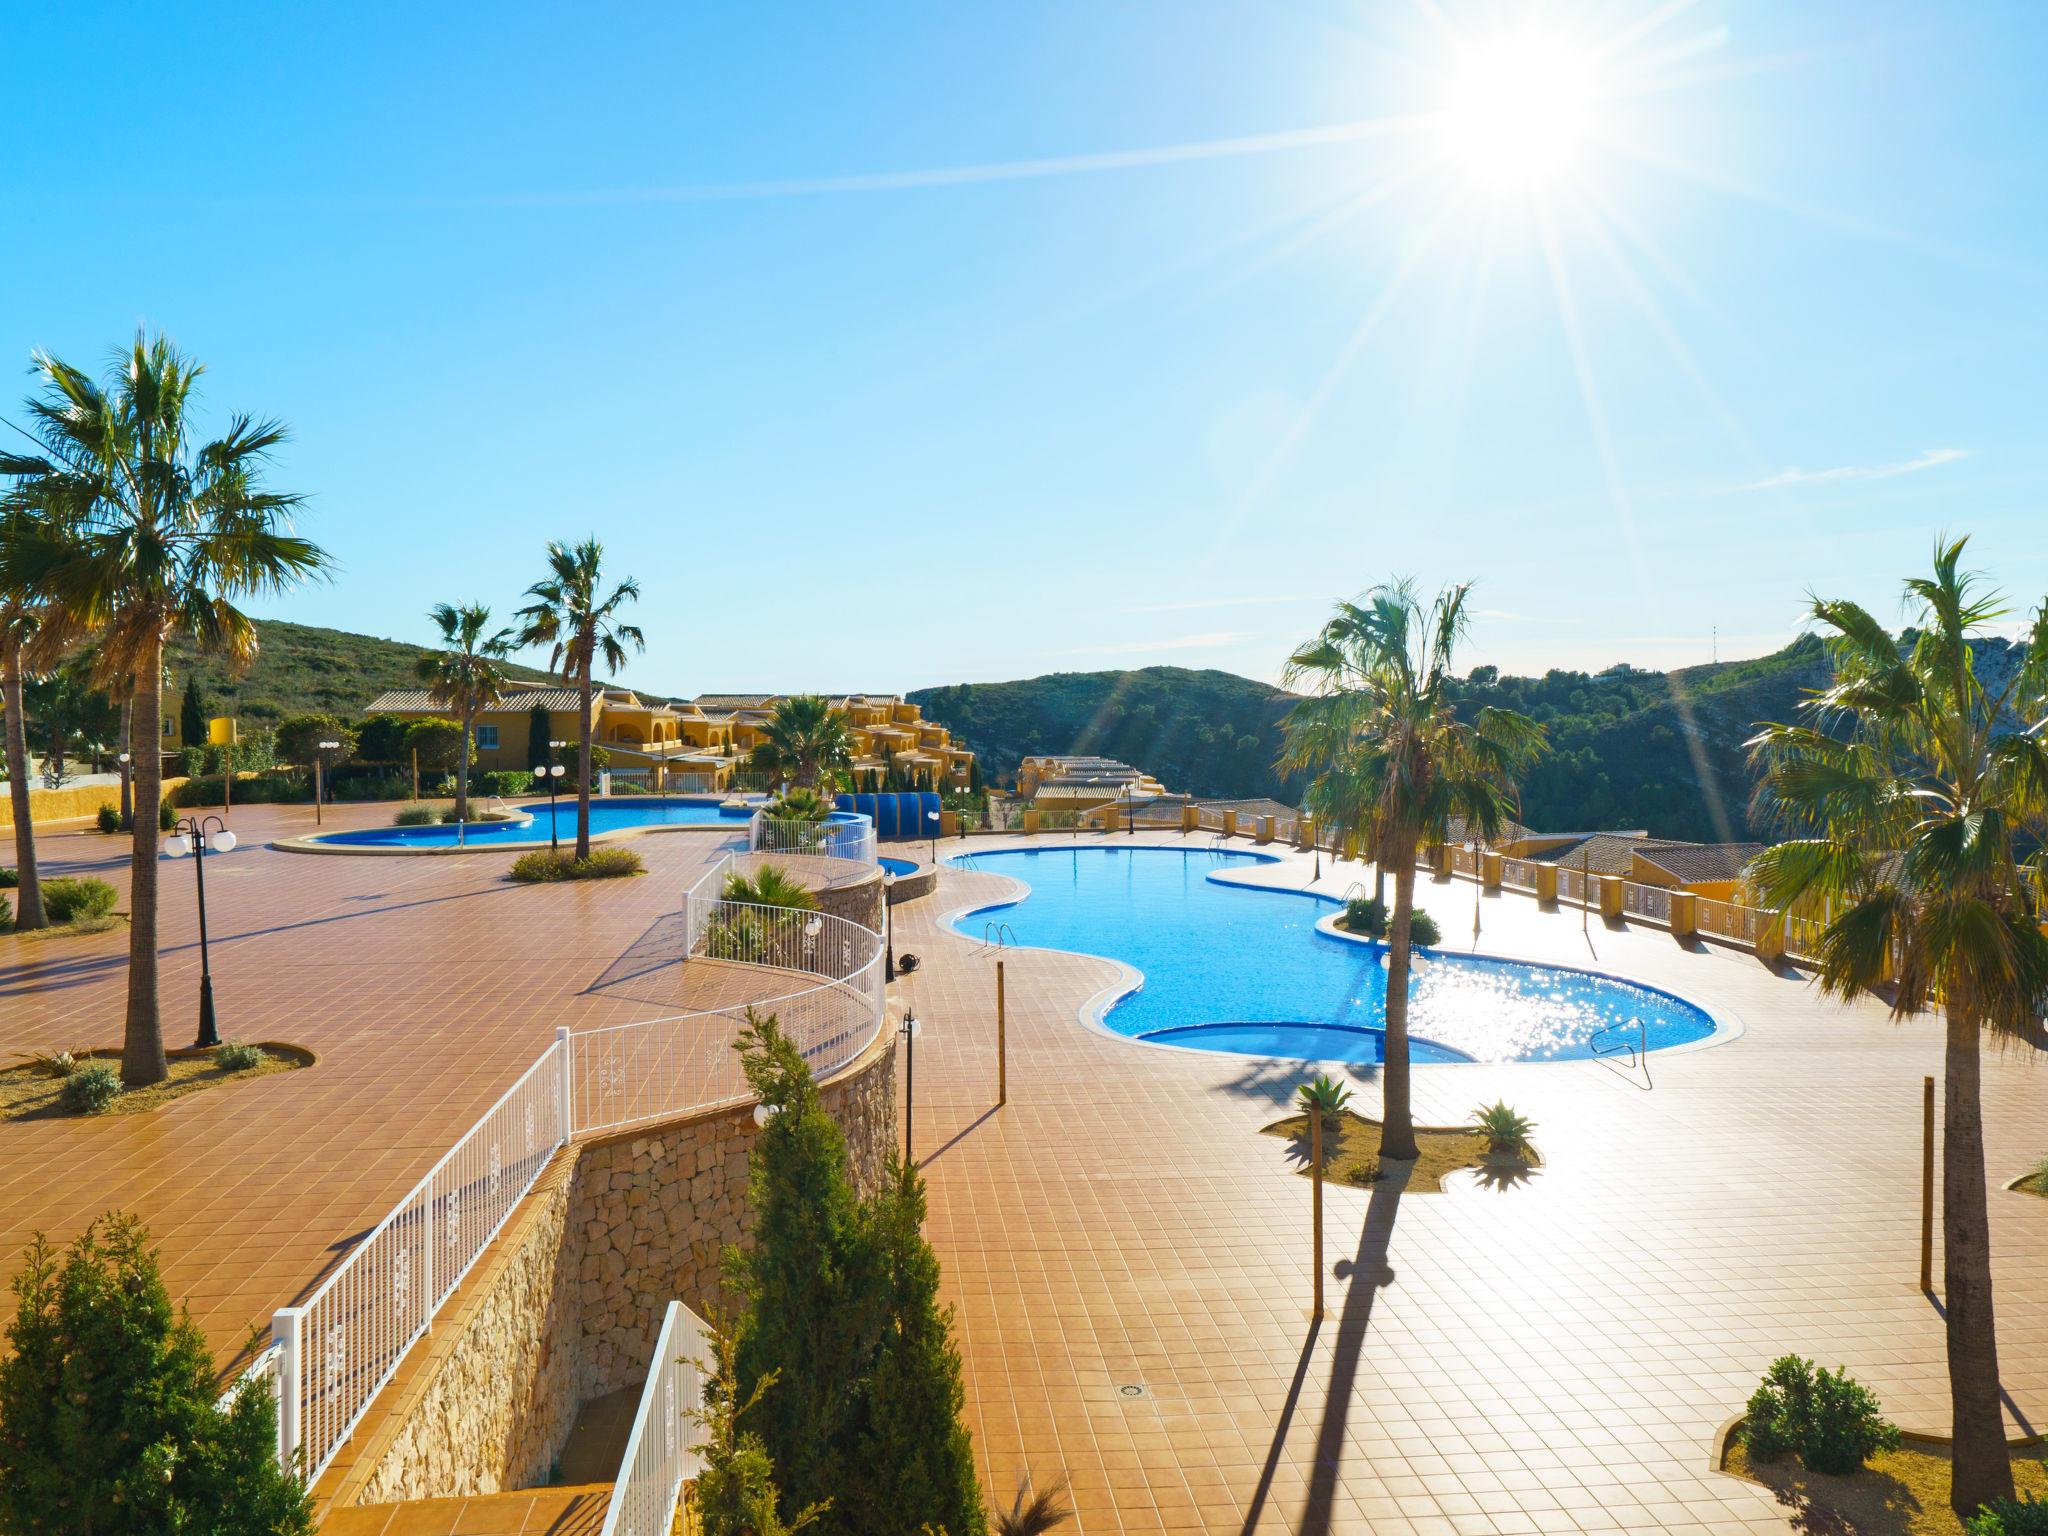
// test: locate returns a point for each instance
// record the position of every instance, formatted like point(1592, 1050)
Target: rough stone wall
point(653, 1212)
point(498, 1405)
point(573, 1291)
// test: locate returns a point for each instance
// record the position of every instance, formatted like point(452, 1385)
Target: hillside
point(1629, 748)
point(1208, 733)
point(299, 668)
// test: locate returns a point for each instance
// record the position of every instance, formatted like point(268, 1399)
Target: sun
point(1518, 109)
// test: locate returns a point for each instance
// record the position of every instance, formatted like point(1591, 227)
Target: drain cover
point(1131, 1389)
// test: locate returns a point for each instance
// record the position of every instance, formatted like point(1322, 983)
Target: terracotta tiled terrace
point(1556, 1356)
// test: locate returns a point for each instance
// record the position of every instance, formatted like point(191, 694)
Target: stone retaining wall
point(565, 1304)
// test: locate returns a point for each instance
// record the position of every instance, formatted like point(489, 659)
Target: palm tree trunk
point(127, 783)
point(1397, 1118)
point(462, 764)
point(583, 765)
point(142, 1051)
point(28, 895)
point(1983, 1469)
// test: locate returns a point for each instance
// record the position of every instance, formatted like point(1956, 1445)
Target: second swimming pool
point(1232, 968)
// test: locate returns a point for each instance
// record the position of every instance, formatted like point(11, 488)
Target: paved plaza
point(1129, 1256)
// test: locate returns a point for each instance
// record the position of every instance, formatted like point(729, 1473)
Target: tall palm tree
point(1390, 758)
point(466, 677)
point(148, 533)
point(23, 620)
point(803, 736)
point(1913, 789)
point(568, 616)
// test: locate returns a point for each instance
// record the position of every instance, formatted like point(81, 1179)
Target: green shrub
point(543, 866)
point(109, 819)
point(416, 816)
point(504, 782)
point(2026, 1516)
point(107, 1407)
point(1367, 915)
point(166, 815)
point(9, 879)
point(91, 1088)
point(263, 789)
point(1422, 929)
point(68, 898)
point(235, 1056)
point(385, 786)
point(772, 887)
point(1829, 1420)
point(1505, 1130)
point(1323, 1094)
point(6, 913)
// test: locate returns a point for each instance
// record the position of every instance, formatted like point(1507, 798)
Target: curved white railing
point(821, 975)
point(847, 835)
point(662, 1451)
point(828, 997)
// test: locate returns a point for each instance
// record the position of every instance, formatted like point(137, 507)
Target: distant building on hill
point(1079, 783)
point(886, 731)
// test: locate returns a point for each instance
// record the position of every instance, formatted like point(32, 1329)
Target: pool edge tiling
point(1305, 990)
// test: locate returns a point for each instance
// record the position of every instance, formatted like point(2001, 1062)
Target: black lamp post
point(909, 1029)
point(320, 752)
point(550, 774)
point(888, 928)
point(196, 835)
point(127, 794)
point(933, 818)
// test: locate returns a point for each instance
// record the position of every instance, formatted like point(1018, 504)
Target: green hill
point(300, 668)
point(1629, 748)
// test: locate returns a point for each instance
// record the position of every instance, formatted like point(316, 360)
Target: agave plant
point(1033, 1512)
point(1324, 1095)
point(800, 805)
point(1506, 1131)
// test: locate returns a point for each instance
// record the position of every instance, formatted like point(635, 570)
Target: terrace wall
point(565, 1304)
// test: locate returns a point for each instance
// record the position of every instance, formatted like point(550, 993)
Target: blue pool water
point(607, 815)
point(899, 866)
point(1229, 968)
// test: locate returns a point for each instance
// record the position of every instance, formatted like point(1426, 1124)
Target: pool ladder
point(1614, 1040)
point(996, 935)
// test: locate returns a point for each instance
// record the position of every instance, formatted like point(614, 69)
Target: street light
point(127, 796)
point(909, 1029)
point(197, 835)
point(319, 785)
point(550, 774)
point(1478, 887)
point(933, 818)
point(888, 927)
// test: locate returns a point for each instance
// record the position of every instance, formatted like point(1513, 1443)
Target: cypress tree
point(812, 1308)
point(192, 714)
point(539, 728)
point(107, 1408)
point(914, 1469)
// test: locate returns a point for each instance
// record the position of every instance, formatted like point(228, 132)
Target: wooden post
point(1002, 1042)
point(1927, 1186)
point(415, 773)
point(1315, 1158)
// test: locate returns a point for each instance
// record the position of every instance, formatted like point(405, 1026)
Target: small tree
point(298, 739)
point(107, 1407)
point(540, 728)
point(811, 1308)
point(915, 1466)
point(381, 738)
point(735, 1493)
point(192, 714)
point(438, 742)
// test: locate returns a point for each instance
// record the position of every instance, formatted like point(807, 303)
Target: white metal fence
point(828, 998)
point(339, 1348)
point(848, 836)
point(331, 1355)
point(662, 1451)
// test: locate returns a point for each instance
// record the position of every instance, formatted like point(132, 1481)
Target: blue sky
point(893, 345)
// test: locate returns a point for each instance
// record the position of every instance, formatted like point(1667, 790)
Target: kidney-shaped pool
point(1228, 967)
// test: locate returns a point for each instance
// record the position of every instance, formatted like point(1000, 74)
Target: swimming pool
point(1232, 968)
point(610, 814)
point(899, 867)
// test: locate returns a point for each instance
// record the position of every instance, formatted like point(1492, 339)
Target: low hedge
point(263, 789)
point(542, 867)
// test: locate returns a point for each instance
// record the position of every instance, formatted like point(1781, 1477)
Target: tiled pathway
point(1556, 1356)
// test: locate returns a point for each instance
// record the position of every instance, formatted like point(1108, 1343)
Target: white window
point(487, 738)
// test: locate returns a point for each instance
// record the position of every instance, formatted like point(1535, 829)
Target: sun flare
point(1518, 110)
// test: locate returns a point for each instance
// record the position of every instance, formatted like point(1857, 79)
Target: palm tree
point(466, 677)
point(1913, 787)
point(770, 887)
point(804, 735)
point(1391, 759)
point(569, 617)
point(22, 618)
point(148, 533)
